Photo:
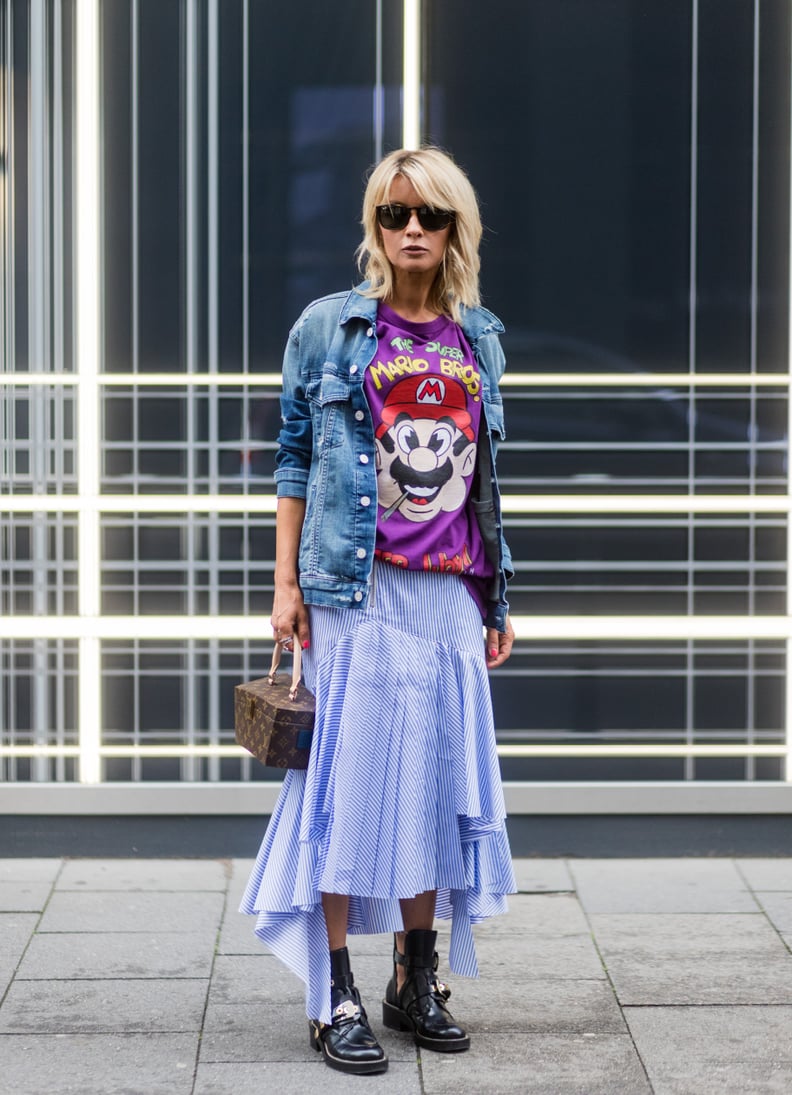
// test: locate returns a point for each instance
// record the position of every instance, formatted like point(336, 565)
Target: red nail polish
point(305, 645)
point(493, 652)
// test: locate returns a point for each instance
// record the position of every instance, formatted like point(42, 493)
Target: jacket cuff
point(291, 482)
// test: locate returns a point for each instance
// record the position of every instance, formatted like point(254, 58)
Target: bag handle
point(296, 666)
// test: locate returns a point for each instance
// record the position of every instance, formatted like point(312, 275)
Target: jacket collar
point(475, 321)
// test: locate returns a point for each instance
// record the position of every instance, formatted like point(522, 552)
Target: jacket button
point(363, 458)
point(358, 596)
point(359, 416)
point(365, 500)
point(352, 370)
point(370, 332)
point(361, 553)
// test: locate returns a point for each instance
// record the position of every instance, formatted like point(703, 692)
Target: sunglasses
point(396, 217)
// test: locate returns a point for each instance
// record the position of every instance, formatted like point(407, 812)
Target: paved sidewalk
point(608, 977)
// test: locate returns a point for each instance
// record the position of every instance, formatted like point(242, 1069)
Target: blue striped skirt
point(403, 790)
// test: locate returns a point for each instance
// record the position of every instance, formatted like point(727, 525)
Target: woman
point(389, 558)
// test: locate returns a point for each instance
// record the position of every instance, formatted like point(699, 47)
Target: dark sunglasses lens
point(396, 217)
point(393, 217)
point(434, 219)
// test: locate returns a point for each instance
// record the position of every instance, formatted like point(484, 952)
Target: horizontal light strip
point(511, 503)
point(149, 380)
point(527, 628)
point(509, 380)
point(645, 380)
point(610, 750)
point(571, 750)
point(645, 503)
point(141, 503)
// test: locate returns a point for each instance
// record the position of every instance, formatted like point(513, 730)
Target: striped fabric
point(403, 791)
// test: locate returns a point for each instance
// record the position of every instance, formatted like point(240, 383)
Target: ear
point(469, 459)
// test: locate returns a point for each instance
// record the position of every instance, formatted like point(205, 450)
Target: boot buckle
point(347, 1009)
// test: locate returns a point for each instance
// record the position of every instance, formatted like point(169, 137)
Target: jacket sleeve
point(295, 440)
point(496, 362)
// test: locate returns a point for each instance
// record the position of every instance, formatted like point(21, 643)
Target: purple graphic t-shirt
point(423, 389)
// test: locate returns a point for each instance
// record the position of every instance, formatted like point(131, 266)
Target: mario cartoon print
point(425, 448)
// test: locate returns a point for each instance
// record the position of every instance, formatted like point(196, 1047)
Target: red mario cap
point(427, 397)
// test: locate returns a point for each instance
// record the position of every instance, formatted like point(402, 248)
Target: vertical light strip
point(788, 712)
point(134, 190)
point(38, 356)
point(750, 698)
point(213, 300)
point(379, 91)
point(692, 295)
point(213, 181)
point(6, 253)
point(689, 764)
point(246, 189)
point(411, 75)
point(88, 268)
point(192, 252)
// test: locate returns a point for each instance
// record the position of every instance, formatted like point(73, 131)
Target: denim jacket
point(326, 449)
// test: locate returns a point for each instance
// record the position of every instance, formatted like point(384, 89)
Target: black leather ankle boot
point(420, 1006)
point(348, 1043)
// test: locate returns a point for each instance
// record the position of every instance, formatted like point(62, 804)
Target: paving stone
point(133, 875)
point(132, 912)
point(688, 959)
point(542, 875)
point(24, 896)
point(767, 874)
point(561, 957)
point(661, 885)
point(112, 954)
point(98, 1064)
point(29, 870)
point(237, 935)
point(534, 914)
point(86, 1007)
point(279, 1032)
point(15, 932)
point(777, 908)
point(240, 870)
point(552, 1006)
point(254, 1079)
point(715, 1050)
point(538, 1064)
point(254, 979)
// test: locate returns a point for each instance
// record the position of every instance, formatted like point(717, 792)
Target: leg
point(414, 998)
point(417, 912)
point(347, 1043)
point(336, 911)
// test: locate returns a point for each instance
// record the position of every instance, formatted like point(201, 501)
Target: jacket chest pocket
point(328, 396)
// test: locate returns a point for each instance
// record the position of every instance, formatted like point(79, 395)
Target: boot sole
point(396, 1019)
point(358, 1068)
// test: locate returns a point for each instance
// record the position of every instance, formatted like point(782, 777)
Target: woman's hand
point(289, 616)
point(499, 644)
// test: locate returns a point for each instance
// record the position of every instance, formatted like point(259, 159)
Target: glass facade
point(633, 164)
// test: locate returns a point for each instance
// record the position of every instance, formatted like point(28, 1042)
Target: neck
point(410, 298)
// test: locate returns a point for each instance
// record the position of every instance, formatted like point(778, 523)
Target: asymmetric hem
point(403, 789)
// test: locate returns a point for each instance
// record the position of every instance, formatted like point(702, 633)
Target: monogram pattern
point(274, 728)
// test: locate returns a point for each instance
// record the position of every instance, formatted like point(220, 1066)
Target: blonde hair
point(442, 185)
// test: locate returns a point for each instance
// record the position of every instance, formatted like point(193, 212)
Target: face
point(412, 250)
